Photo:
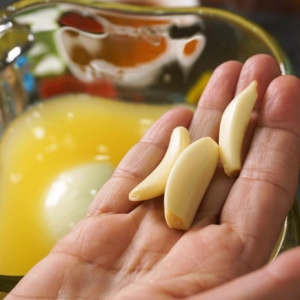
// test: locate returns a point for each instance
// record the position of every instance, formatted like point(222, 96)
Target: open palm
point(124, 250)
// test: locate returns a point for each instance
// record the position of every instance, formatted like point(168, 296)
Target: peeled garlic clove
point(233, 127)
point(154, 185)
point(188, 182)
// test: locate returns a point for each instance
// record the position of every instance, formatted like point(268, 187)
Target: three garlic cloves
point(187, 169)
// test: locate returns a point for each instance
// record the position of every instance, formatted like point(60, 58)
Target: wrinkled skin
point(124, 250)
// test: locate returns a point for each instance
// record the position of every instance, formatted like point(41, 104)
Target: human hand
point(124, 250)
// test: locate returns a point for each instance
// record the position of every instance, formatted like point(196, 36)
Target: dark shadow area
point(280, 18)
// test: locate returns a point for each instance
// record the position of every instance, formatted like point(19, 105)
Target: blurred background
point(281, 18)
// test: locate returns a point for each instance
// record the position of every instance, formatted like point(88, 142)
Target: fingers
point(277, 281)
point(206, 122)
point(219, 93)
point(229, 79)
point(137, 164)
point(215, 197)
point(264, 193)
point(262, 68)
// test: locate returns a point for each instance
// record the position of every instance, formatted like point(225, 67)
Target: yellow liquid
point(44, 142)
